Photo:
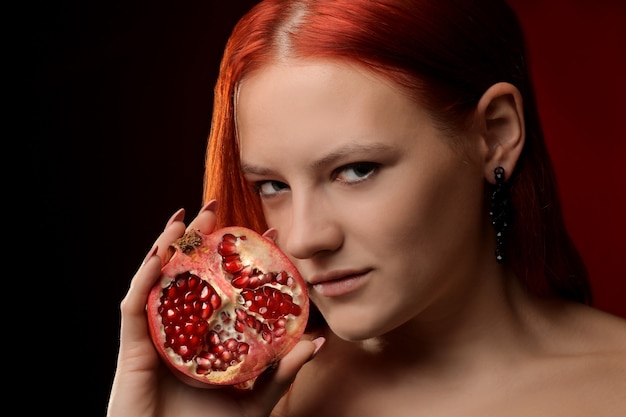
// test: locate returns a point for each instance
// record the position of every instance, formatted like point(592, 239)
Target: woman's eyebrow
point(256, 170)
point(350, 149)
point(337, 154)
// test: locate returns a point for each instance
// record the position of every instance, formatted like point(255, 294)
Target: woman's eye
point(356, 172)
point(269, 188)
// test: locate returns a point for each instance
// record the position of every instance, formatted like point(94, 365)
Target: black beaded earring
point(501, 211)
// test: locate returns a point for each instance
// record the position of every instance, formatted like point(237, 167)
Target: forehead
point(326, 98)
point(306, 82)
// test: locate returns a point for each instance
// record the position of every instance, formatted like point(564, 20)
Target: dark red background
point(578, 60)
point(115, 142)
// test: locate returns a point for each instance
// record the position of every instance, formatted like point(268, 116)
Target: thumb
point(272, 384)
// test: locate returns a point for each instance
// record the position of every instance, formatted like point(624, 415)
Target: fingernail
point(318, 342)
point(179, 216)
point(210, 206)
point(271, 234)
point(150, 254)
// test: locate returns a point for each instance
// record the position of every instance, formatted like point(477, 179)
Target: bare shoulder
point(574, 365)
point(587, 336)
point(590, 370)
point(599, 332)
point(604, 338)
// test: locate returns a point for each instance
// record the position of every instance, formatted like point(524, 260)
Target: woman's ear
point(500, 115)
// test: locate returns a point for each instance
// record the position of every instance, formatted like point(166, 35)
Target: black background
point(118, 121)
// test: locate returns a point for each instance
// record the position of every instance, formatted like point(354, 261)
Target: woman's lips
point(338, 284)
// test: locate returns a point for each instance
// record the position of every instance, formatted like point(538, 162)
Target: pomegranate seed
point(228, 245)
point(181, 282)
point(194, 342)
point(273, 304)
point(240, 281)
point(247, 295)
point(240, 326)
point(219, 365)
point(226, 356)
point(284, 308)
point(215, 300)
point(193, 282)
point(202, 328)
point(214, 338)
point(232, 266)
point(171, 292)
point(248, 271)
point(170, 314)
point(217, 350)
point(295, 310)
point(282, 277)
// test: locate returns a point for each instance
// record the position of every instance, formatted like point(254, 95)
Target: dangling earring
point(501, 211)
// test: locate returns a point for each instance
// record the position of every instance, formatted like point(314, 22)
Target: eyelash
point(258, 188)
point(370, 169)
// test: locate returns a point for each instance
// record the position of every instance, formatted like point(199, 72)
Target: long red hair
point(445, 54)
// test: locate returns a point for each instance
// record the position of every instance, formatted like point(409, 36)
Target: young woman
point(394, 149)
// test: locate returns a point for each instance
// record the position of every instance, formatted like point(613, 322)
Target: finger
point(288, 367)
point(206, 219)
point(178, 216)
point(271, 386)
point(174, 228)
point(134, 303)
point(271, 234)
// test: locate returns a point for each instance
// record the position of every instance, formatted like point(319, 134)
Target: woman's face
point(383, 218)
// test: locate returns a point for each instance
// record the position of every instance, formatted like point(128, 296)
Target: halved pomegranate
point(227, 306)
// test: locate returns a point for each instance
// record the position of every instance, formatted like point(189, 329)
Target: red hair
point(446, 54)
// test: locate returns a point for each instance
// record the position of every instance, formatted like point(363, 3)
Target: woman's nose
point(313, 229)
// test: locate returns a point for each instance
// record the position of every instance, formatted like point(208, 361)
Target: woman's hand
point(144, 387)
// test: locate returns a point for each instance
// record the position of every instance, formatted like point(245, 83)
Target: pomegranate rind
point(196, 253)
